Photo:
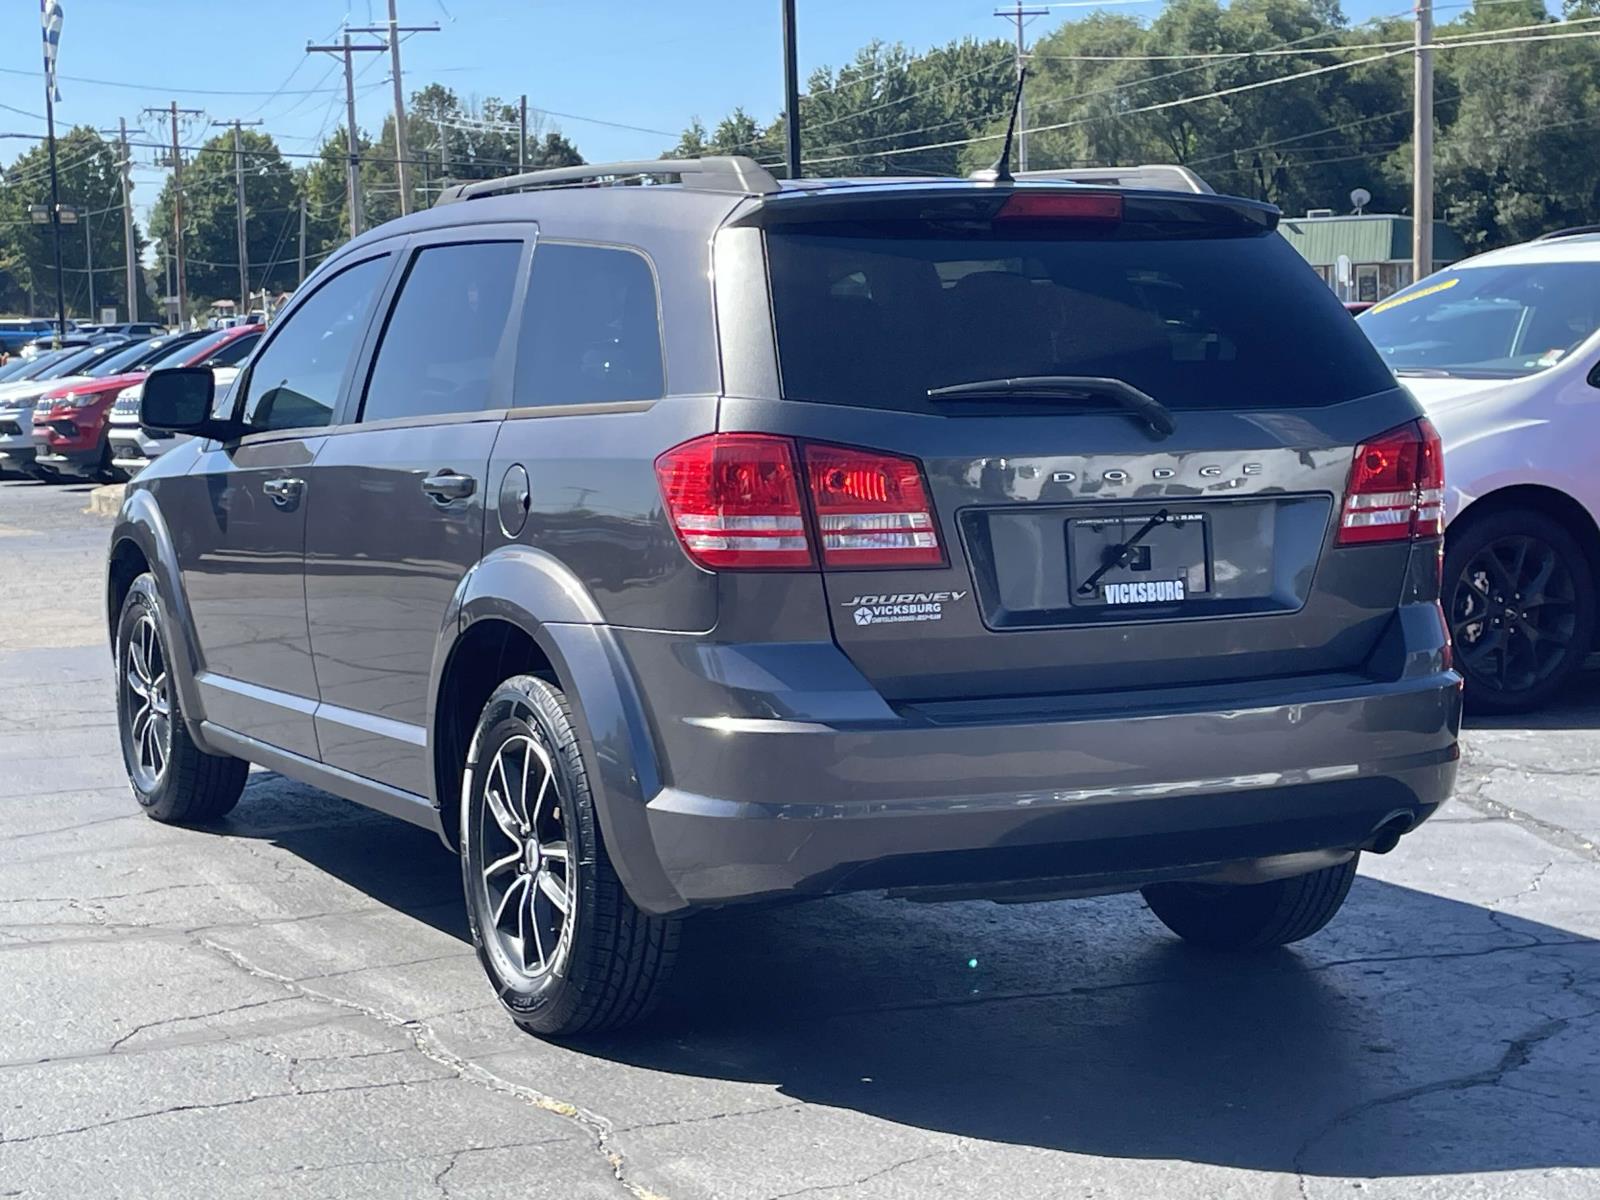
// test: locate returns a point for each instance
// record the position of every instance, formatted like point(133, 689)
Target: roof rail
point(730, 173)
point(1575, 231)
point(1165, 177)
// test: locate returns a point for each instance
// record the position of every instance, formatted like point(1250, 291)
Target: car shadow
point(1377, 1048)
point(1575, 706)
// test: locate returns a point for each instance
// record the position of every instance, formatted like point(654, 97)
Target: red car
point(69, 423)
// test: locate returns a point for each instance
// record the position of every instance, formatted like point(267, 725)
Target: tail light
point(1061, 206)
point(734, 500)
point(1396, 490)
point(872, 509)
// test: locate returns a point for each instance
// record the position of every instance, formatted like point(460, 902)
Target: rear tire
point(172, 778)
point(1522, 569)
point(1255, 916)
point(531, 843)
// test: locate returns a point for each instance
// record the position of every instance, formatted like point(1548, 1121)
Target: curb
point(106, 501)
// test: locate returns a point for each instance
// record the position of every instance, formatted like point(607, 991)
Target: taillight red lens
point(1396, 489)
point(1061, 206)
point(872, 508)
point(734, 501)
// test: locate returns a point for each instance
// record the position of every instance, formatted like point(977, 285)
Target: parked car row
point(56, 409)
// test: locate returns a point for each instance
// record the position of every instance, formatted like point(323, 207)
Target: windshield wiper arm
point(1072, 387)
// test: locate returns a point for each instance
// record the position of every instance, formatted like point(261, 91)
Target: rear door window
point(875, 319)
point(591, 330)
point(443, 334)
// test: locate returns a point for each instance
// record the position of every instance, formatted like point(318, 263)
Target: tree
point(210, 216)
point(90, 182)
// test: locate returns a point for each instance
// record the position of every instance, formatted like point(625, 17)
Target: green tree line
point(449, 140)
point(1514, 123)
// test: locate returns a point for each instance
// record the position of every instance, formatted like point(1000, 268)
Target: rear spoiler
point(1159, 177)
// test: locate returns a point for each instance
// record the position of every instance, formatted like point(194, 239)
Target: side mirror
point(179, 400)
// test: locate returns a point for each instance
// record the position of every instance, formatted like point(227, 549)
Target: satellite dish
point(1360, 198)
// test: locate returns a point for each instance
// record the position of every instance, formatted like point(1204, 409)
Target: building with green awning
point(1377, 244)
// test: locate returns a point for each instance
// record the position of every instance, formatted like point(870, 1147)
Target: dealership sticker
point(901, 608)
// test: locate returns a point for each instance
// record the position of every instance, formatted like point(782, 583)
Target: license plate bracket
point(1169, 565)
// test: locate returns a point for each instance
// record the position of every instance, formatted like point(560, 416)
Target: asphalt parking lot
point(285, 1004)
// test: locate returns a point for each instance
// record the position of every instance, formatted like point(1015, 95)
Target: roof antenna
point(1001, 171)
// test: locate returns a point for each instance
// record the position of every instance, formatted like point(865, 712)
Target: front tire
point(1253, 916)
point(1520, 598)
point(564, 947)
point(172, 778)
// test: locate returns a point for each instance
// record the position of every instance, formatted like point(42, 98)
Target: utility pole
point(1020, 15)
point(88, 262)
point(1422, 148)
point(347, 51)
point(791, 93)
point(522, 135)
point(302, 239)
point(130, 251)
point(392, 32)
point(238, 189)
point(174, 112)
point(55, 186)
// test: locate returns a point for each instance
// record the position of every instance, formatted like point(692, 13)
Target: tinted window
point(77, 361)
point(1488, 322)
point(590, 329)
point(295, 382)
point(233, 352)
point(438, 348)
point(184, 352)
point(131, 358)
point(875, 320)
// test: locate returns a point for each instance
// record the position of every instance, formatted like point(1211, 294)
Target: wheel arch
point(140, 543)
point(520, 612)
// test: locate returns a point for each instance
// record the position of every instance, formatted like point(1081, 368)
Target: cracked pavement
point(284, 1004)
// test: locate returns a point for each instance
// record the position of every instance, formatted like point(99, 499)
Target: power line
point(1212, 95)
point(156, 87)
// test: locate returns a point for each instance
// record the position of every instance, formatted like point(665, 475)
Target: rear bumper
point(761, 806)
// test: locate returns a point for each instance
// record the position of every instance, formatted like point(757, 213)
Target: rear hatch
point(1035, 491)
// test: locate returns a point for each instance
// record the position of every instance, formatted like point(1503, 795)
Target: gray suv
point(722, 540)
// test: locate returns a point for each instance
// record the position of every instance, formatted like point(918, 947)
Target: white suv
point(1503, 352)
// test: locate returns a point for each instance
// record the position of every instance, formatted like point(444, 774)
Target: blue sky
point(649, 65)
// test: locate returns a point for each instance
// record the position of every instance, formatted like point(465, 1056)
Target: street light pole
point(55, 196)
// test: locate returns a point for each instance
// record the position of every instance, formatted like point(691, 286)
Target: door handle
point(284, 491)
point(447, 486)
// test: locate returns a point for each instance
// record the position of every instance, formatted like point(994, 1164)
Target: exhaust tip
point(1389, 832)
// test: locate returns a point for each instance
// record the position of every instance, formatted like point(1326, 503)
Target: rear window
point(875, 320)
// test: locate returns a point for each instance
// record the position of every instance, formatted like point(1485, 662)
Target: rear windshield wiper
point(1064, 387)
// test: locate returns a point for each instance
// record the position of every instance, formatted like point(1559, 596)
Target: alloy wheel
point(528, 876)
point(148, 704)
point(1513, 613)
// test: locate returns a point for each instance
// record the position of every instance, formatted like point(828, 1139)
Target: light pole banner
point(52, 14)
